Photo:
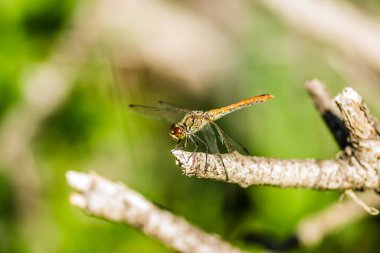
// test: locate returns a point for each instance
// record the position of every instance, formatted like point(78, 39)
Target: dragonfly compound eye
point(176, 132)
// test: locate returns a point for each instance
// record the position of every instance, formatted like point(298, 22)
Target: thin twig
point(313, 229)
point(116, 202)
point(333, 120)
point(328, 110)
point(336, 23)
point(369, 209)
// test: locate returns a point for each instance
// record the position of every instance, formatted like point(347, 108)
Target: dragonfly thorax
point(189, 125)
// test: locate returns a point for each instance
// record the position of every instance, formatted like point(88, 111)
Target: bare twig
point(356, 168)
point(250, 170)
point(328, 110)
point(313, 229)
point(358, 201)
point(116, 202)
point(335, 22)
point(333, 119)
point(356, 115)
point(363, 136)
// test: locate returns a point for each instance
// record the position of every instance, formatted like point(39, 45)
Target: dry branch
point(356, 167)
point(251, 170)
point(339, 24)
point(116, 202)
point(311, 230)
point(328, 110)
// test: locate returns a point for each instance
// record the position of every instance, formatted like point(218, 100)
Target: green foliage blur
point(93, 131)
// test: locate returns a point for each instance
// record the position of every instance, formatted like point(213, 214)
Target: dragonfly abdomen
point(220, 112)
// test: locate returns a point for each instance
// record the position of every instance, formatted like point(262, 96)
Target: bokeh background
point(68, 70)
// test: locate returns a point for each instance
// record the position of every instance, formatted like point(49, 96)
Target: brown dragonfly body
point(193, 121)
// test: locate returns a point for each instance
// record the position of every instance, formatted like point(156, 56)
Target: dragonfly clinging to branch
point(190, 122)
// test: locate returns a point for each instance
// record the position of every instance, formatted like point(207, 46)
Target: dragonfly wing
point(166, 105)
point(229, 142)
point(210, 139)
point(170, 114)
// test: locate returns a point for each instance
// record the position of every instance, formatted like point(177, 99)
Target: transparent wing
point(166, 105)
point(162, 111)
point(229, 142)
point(210, 139)
point(212, 144)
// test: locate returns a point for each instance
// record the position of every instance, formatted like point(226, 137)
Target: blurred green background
point(86, 126)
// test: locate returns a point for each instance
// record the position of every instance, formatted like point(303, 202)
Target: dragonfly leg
point(177, 146)
point(205, 144)
point(196, 143)
point(216, 150)
point(185, 143)
point(225, 169)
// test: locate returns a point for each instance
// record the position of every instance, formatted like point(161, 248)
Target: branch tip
point(78, 200)
point(313, 84)
point(79, 181)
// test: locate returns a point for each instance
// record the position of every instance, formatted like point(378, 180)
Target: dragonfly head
point(177, 132)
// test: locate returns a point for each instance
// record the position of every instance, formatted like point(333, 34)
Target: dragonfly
point(188, 123)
